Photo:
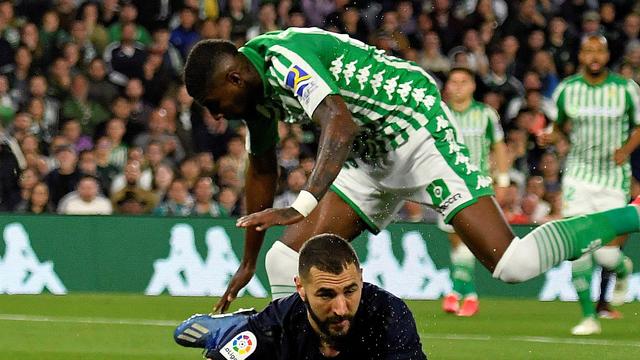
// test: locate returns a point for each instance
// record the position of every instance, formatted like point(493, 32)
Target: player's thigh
point(607, 199)
point(332, 215)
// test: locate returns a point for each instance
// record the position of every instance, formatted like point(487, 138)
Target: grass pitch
point(101, 327)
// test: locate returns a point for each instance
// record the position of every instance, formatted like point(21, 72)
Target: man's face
point(460, 86)
point(593, 55)
point(332, 300)
point(229, 97)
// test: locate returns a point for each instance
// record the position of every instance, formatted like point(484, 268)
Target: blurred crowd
point(94, 118)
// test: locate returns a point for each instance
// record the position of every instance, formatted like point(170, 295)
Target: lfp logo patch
point(297, 79)
point(241, 347)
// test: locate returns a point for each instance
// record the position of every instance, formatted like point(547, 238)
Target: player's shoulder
point(377, 301)
point(571, 80)
point(486, 109)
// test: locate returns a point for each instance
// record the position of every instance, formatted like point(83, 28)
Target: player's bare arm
point(338, 131)
point(261, 180)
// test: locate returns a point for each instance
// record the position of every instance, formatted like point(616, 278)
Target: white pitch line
point(463, 337)
point(88, 320)
point(531, 339)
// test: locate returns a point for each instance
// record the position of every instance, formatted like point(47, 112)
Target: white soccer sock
point(520, 262)
point(462, 255)
point(608, 257)
point(281, 263)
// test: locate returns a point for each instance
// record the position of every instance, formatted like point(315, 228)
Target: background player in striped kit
point(598, 110)
point(480, 127)
point(385, 138)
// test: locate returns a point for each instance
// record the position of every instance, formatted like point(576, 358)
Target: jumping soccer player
point(333, 315)
point(480, 127)
point(385, 138)
point(598, 111)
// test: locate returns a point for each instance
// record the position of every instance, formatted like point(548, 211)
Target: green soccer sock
point(462, 270)
point(573, 237)
point(581, 273)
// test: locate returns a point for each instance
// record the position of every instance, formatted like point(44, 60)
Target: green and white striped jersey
point(388, 97)
point(601, 118)
point(480, 127)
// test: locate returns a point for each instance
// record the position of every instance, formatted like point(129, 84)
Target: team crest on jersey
point(298, 79)
point(240, 347)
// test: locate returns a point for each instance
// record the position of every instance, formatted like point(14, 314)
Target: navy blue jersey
point(383, 329)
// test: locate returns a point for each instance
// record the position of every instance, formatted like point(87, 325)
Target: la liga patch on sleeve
point(240, 347)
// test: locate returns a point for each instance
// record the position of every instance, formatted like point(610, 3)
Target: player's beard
point(336, 339)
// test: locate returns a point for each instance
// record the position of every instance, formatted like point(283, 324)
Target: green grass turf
point(46, 327)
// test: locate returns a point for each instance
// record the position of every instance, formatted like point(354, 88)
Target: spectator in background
point(101, 90)
point(87, 165)
point(175, 126)
point(38, 200)
point(86, 200)
point(21, 127)
point(109, 11)
point(60, 78)
point(352, 24)
point(66, 10)
point(446, 24)
point(38, 88)
point(241, 19)
point(29, 177)
point(115, 131)
point(72, 131)
point(97, 35)
point(156, 79)
point(289, 153)
point(51, 36)
point(209, 29)
point(86, 48)
point(317, 10)
point(125, 58)
point(206, 163)
point(499, 81)
point(30, 39)
point(267, 18)
point(178, 201)
point(162, 179)
point(295, 183)
point(105, 169)
point(189, 171)
point(78, 106)
point(171, 58)
point(8, 106)
point(63, 179)
point(133, 170)
point(132, 192)
point(128, 15)
point(185, 35)
point(140, 109)
point(30, 147)
point(228, 198)
point(18, 74)
point(204, 204)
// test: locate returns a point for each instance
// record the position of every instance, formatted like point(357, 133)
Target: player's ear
point(299, 288)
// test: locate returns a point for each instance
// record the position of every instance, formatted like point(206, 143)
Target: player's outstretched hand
point(264, 219)
point(239, 280)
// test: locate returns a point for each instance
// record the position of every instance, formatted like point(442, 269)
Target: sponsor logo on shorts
point(241, 347)
point(450, 201)
point(439, 191)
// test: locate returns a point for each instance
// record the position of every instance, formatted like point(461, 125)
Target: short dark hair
point(328, 253)
point(464, 69)
point(202, 64)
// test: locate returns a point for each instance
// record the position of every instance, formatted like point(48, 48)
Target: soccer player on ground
point(333, 315)
point(385, 138)
point(480, 128)
point(599, 112)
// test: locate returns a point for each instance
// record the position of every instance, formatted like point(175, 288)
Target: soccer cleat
point(588, 326)
point(636, 201)
point(610, 314)
point(450, 304)
point(470, 307)
point(622, 285)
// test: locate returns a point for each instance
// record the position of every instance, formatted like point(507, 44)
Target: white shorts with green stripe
point(425, 169)
point(580, 197)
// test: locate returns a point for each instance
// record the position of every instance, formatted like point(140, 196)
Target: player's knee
point(608, 256)
point(516, 264)
point(462, 255)
point(281, 263)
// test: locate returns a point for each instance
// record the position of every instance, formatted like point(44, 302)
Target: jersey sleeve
point(494, 128)
point(558, 114)
point(633, 107)
point(262, 134)
point(301, 72)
